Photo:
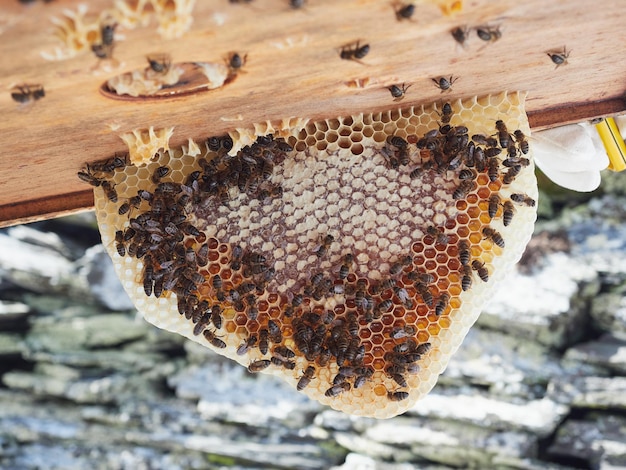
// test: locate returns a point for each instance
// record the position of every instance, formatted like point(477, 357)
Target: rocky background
point(539, 383)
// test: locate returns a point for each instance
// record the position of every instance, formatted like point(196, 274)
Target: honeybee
point(295, 4)
point(494, 203)
point(216, 316)
point(27, 92)
point(463, 189)
point(354, 53)
point(159, 173)
point(86, 175)
point(348, 260)
point(402, 332)
point(322, 249)
point(494, 236)
point(274, 331)
point(460, 34)
point(246, 345)
point(503, 133)
point(397, 396)
point(511, 174)
point(235, 62)
point(508, 212)
point(423, 348)
point(338, 389)
point(109, 191)
point(257, 366)
point(444, 84)
point(523, 199)
point(264, 341)
point(405, 12)
point(119, 243)
point(277, 361)
point(438, 234)
point(398, 92)
point(442, 303)
point(214, 340)
point(425, 293)
point(559, 58)
point(480, 268)
point(236, 258)
point(520, 138)
point(489, 33)
point(466, 281)
point(446, 113)
point(159, 63)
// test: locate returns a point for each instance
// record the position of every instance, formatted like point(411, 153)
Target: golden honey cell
point(332, 245)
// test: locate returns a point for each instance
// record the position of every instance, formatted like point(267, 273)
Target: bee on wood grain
point(460, 34)
point(523, 199)
point(235, 62)
point(480, 268)
point(405, 12)
point(27, 92)
point(559, 58)
point(159, 63)
point(354, 51)
point(398, 91)
point(87, 175)
point(489, 33)
point(444, 84)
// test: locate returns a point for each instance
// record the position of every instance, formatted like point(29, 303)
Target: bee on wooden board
point(398, 91)
point(354, 51)
point(27, 92)
point(460, 34)
point(159, 63)
point(559, 57)
point(489, 33)
point(236, 61)
point(86, 175)
point(445, 84)
point(405, 12)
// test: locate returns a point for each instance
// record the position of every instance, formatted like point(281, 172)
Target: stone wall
point(540, 381)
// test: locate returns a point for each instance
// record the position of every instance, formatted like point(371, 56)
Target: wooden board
point(293, 69)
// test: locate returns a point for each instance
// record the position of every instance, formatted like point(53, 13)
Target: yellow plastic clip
point(613, 143)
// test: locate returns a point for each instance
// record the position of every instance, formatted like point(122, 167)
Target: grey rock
point(589, 392)
point(607, 352)
point(539, 417)
point(37, 238)
point(96, 270)
point(50, 333)
point(599, 440)
point(608, 313)
point(369, 448)
point(453, 443)
point(10, 344)
point(507, 365)
point(13, 312)
point(35, 267)
point(356, 461)
point(547, 307)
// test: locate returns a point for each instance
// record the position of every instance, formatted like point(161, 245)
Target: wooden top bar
point(293, 69)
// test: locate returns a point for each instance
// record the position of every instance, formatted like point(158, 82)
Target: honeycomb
point(348, 256)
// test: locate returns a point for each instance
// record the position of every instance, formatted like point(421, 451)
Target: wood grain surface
point(293, 69)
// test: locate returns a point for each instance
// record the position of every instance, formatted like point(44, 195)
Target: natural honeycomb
point(348, 256)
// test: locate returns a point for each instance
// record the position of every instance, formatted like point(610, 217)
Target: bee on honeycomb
point(357, 279)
